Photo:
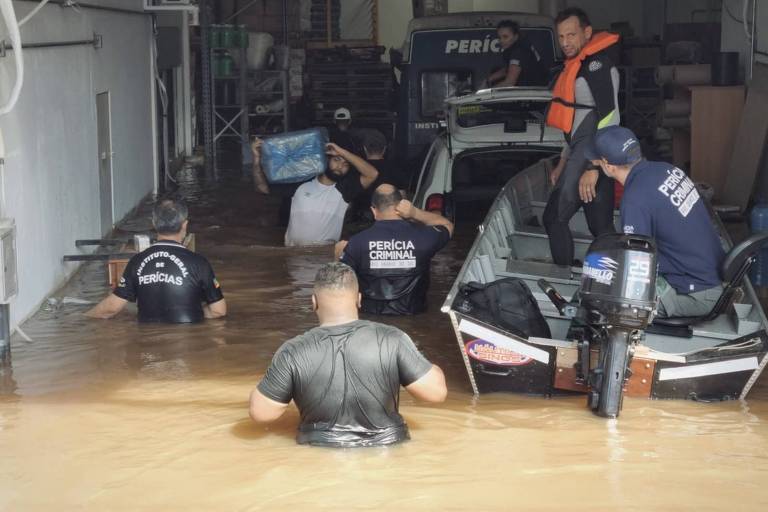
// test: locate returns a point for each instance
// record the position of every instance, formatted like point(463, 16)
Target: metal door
point(104, 134)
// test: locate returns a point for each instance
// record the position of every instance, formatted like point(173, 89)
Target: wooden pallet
point(353, 106)
point(356, 95)
point(350, 69)
point(382, 115)
point(346, 85)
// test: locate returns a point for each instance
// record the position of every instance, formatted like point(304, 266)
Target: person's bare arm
point(263, 409)
point(510, 79)
point(407, 211)
point(259, 179)
point(495, 77)
point(216, 309)
point(107, 308)
point(368, 173)
point(338, 249)
point(431, 387)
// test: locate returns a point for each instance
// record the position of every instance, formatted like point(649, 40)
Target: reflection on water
point(112, 415)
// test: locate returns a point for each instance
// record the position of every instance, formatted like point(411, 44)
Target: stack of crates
point(351, 78)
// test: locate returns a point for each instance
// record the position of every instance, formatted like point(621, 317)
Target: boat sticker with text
point(600, 268)
point(487, 352)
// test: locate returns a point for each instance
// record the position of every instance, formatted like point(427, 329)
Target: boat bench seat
point(541, 269)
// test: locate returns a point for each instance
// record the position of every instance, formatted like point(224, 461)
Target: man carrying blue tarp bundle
point(318, 206)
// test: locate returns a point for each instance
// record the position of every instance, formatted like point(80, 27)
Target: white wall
point(182, 82)
point(394, 16)
point(734, 39)
point(50, 177)
point(355, 21)
point(604, 12)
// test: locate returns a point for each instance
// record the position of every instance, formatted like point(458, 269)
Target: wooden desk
point(715, 117)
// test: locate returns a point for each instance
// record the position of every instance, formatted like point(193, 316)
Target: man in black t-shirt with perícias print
point(168, 282)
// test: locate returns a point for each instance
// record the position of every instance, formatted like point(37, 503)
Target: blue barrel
point(759, 222)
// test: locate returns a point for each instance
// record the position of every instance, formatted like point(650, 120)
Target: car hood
point(467, 127)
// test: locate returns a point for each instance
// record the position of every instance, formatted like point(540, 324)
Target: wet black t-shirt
point(169, 283)
point(391, 260)
point(348, 139)
point(349, 186)
point(390, 172)
point(345, 380)
point(524, 55)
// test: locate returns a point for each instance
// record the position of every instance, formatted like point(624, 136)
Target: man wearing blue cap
point(660, 201)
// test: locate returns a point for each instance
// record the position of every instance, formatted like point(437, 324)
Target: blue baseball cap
point(618, 145)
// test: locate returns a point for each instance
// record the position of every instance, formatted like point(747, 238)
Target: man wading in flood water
point(345, 375)
point(169, 282)
point(392, 258)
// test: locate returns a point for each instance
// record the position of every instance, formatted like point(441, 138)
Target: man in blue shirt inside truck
point(660, 201)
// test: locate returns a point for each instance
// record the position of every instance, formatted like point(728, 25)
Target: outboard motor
point(617, 301)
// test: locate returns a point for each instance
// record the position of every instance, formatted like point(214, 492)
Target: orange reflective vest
point(562, 108)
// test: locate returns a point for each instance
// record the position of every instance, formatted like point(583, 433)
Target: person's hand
point(256, 147)
point(555, 173)
point(405, 209)
point(588, 185)
point(332, 149)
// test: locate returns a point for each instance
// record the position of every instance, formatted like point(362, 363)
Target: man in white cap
point(342, 118)
point(341, 132)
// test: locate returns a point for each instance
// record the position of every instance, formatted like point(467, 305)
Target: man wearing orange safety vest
point(584, 99)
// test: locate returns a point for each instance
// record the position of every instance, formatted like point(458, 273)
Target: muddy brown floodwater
point(112, 415)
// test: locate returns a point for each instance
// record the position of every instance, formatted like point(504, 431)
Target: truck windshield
point(512, 114)
point(436, 86)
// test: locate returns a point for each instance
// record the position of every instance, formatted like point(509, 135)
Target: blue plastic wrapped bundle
point(294, 157)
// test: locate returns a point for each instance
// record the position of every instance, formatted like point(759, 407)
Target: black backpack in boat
point(507, 304)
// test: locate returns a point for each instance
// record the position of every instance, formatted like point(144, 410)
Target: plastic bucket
point(259, 45)
point(224, 65)
point(725, 68)
point(242, 37)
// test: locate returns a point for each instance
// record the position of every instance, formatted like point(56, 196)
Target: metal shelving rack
point(639, 99)
point(226, 115)
point(257, 97)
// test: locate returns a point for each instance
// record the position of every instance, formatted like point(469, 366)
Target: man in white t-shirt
point(318, 206)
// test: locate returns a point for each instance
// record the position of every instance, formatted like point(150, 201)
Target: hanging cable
point(32, 12)
point(9, 16)
point(745, 21)
point(730, 14)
